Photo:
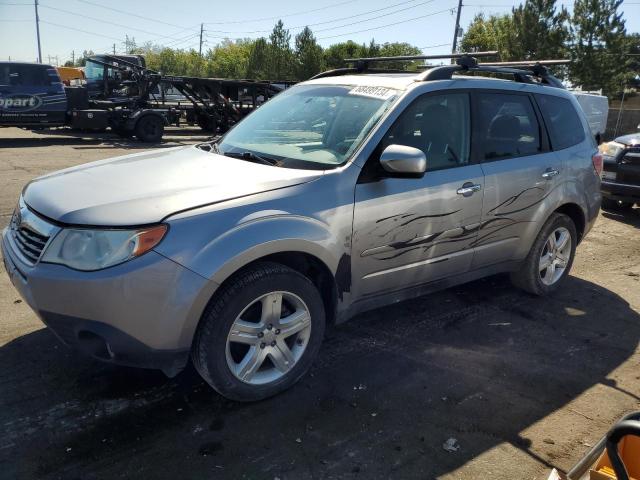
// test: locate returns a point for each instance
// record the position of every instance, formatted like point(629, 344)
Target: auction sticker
point(373, 92)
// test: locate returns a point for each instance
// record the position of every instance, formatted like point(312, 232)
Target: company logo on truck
point(20, 103)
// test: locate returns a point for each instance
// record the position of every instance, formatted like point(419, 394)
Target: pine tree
point(308, 55)
point(598, 42)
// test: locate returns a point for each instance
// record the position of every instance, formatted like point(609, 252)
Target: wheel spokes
point(245, 332)
point(562, 240)
point(545, 262)
point(271, 308)
point(250, 364)
point(282, 357)
point(294, 323)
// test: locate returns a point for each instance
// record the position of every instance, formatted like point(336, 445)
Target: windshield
point(310, 126)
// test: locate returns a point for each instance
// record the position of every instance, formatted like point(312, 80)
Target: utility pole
point(114, 48)
point(201, 30)
point(73, 57)
point(38, 32)
point(455, 32)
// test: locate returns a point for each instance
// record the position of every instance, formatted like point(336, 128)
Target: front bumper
point(141, 313)
point(620, 191)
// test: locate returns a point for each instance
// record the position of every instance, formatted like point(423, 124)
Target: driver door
point(410, 231)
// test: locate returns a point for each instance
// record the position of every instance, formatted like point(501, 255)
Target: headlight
point(85, 249)
point(611, 149)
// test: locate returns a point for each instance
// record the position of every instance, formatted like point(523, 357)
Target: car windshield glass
point(310, 126)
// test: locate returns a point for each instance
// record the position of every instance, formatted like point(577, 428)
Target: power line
point(340, 18)
point(434, 46)
point(343, 18)
point(130, 14)
point(279, 17)
point(80, 30)
point(388, 24)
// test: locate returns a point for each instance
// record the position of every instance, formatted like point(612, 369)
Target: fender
point(252, 239)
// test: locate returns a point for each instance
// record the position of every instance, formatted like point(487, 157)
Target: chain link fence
point(624, 117)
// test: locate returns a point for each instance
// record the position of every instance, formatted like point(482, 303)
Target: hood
point(629, 140)
point(146, 187)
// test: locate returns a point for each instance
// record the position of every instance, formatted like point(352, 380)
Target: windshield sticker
point(373, 92)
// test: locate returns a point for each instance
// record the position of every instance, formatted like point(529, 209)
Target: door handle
point(550, 173)
point(468, 189)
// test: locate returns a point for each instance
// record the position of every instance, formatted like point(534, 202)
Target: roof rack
point(361, 65)
point(530, 71)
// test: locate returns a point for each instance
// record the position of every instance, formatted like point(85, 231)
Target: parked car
point(621, 173)
point(339, 195)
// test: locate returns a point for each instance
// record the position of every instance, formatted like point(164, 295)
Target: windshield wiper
point(252, 157)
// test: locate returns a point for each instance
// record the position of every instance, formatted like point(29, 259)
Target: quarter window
point(507, 126)
point(565, 127)
point(439, 126)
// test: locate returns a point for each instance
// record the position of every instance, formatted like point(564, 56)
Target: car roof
point(405, 81)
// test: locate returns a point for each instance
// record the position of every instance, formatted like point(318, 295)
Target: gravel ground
point(522, 384)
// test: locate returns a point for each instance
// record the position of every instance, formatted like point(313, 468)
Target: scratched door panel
point(513, 148)
point(409, 231)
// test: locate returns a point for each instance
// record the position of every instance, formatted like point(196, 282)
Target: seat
point(503, 137)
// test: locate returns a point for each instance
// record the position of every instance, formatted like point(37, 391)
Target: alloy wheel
point(268, 338)
point(555, 256)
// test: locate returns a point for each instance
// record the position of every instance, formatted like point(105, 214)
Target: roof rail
point(361, 65)
point(522, 71)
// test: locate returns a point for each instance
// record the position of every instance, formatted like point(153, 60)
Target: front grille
point(29, 242)
point(29, 233)
point(632, 157)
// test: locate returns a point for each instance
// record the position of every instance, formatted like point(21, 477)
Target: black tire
point(615, 205)
point(150, 128)
point(528, 277)
point(209, 348)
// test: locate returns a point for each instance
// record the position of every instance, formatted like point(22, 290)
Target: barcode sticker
point(373, 92)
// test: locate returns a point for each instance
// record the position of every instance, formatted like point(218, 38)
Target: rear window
point(565, 127)
point(507, 126)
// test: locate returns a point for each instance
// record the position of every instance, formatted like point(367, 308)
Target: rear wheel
point(150, 128)
point(550, 258)
point(260, 334)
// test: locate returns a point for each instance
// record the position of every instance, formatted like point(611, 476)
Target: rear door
point(31, 94)
point(519, 169)
point(410, 231)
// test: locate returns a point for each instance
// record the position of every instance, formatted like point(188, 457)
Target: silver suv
point(342, 194)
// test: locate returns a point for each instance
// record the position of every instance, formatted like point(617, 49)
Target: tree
point(280, 54)
point(334, 55)
point(308, 55)
point(397, 49)
point(598, 43)
point(229, 59)
point(494, 33)
point(258, 60)
point(541, 30)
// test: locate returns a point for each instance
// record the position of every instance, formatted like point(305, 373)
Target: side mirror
point(404, 160)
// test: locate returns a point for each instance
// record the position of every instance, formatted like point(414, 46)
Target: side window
point(563, 123)
point(507, 126)
point(29, 75)
point(439, 125)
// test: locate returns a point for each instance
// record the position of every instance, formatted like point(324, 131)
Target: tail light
point(597, 163)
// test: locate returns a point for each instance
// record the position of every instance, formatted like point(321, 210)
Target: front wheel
point(550, 258)
point(260, 333)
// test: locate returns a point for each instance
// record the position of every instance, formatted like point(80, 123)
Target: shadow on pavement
point(80, 140)
point(630, 217)
point(479, 363)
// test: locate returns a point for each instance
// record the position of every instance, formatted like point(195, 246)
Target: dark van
point(31, 95)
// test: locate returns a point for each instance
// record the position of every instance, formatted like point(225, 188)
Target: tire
point(220, 360)
point(530, 277)
point(615, 205)
point(150, 128)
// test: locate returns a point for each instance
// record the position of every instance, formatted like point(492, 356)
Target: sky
point(68, 26)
